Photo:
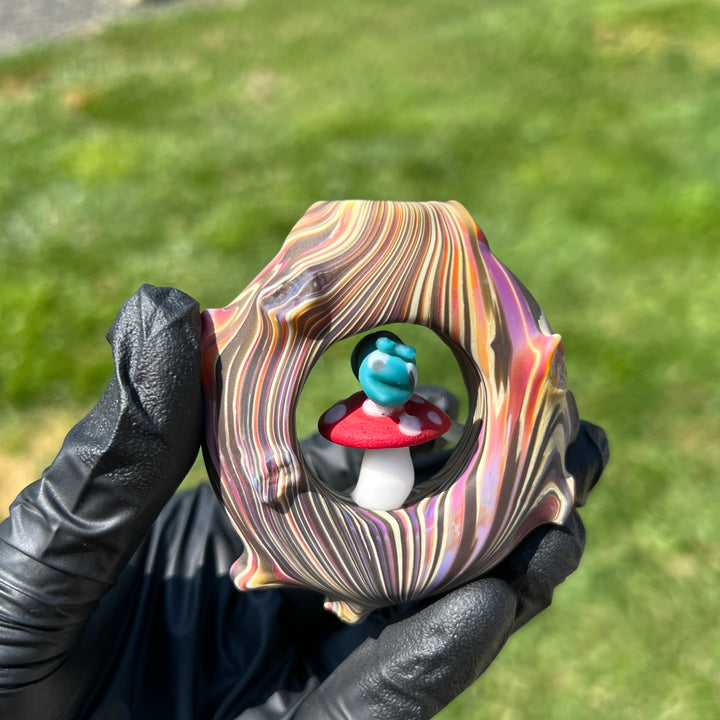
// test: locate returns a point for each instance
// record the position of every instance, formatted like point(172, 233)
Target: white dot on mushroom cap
point(335, 413)
point(409, 425)
point(434, 418)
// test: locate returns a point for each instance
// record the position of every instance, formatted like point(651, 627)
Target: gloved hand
point(420, 663)
point(115, 600)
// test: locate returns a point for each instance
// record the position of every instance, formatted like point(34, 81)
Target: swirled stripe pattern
point(347, 267)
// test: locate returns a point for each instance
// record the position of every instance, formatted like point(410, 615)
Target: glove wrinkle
point(281, 705)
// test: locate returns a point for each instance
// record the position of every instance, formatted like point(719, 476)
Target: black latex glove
point(85, 633)
point(419, 664)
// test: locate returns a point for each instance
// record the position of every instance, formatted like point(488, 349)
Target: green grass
point(584, 139)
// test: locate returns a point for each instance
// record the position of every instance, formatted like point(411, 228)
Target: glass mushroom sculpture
point(385, 419)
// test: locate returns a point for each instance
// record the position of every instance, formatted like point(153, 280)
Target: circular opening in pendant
point(332, 381)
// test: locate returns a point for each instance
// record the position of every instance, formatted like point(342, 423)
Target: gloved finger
point(413, 671)
point(586, 458)
point(540, 563)
point(416, 666)
point(69, 534)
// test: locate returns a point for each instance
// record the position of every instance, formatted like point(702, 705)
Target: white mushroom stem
point(385, 480)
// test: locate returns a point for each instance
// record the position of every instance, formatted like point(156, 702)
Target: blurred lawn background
point(584, 137)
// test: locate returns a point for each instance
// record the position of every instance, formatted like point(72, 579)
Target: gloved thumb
point(70, 533)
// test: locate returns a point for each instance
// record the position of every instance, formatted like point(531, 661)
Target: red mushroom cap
point(359, 422)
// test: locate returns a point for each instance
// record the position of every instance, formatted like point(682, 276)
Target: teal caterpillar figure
point(385, 420)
